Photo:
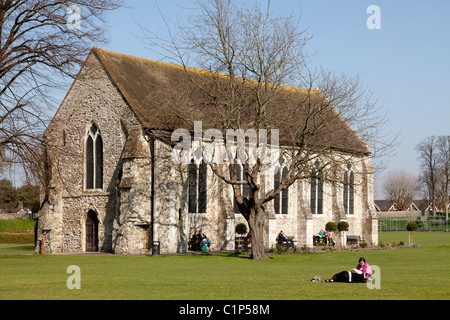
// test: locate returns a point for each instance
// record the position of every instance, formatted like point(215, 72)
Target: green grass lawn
point(16, 231)
point(16, 225)
point(420, 273)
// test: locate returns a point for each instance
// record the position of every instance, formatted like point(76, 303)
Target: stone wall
point(16, 216)
point(93, 98)
point(144, 195)
point(132, 232)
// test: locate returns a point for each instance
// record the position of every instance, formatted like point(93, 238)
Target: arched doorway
point(91, 232)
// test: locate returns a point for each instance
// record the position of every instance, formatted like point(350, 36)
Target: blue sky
point(406, 63)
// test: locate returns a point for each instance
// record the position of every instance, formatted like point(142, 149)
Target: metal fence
point(425, 224)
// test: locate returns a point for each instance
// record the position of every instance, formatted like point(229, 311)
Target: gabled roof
point(423, 204)
point(383, 205)
point(158, 92)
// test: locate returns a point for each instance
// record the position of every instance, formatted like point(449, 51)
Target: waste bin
point(156, 248)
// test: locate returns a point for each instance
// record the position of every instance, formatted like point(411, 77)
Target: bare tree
point(428, 163)
point(443, 147)
point(401, 188)
point(42, 43)
point(254, 64)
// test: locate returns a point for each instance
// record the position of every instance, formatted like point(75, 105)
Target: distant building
point(384, 205)
point(419, 205)
point(16, 214)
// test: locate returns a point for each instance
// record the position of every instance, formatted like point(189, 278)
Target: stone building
point(113, 188)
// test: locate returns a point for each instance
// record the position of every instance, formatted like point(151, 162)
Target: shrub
point(342, 226)
point(331, 226)
point(279, 248)
point(412, 226)
point(241, 228)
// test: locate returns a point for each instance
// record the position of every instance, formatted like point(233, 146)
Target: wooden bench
point(242, 241)
point(284, 242)
point(193, 245)
point(326, 241)
point(316, 240)
point(353, 240)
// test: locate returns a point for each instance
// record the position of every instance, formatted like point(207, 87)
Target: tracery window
point(197, 181)
point(241, 176)
point(94, 159)
point(281, 201)
point(316, 199)
point(349, 191)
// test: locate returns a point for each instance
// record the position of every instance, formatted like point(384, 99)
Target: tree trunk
point(446, 216)
point(257, 222)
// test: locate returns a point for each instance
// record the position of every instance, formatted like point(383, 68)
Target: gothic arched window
point(349, 191)
point(241, 176)
point(281, 201)
point(276, 184)
point(197, 181)
point(94, 159)
point(285, 195)
point(316, 198)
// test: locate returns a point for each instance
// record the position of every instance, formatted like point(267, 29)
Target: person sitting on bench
point(203, 239)
point(283, 237)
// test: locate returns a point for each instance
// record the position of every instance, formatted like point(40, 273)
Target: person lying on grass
point(353, 276)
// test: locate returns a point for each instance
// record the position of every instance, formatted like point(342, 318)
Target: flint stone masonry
point(144, 195)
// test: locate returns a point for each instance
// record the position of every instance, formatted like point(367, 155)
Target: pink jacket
point(366, 268)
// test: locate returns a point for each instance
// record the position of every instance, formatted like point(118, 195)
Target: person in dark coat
point(284, 237)
point(349, 277)
point(203, 239)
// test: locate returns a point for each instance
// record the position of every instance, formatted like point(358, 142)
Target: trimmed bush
point(342, 226)
point(241, 228)
point(412, 226)
point(331, 226)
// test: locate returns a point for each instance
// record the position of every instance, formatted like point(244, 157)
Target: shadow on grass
point(16, 249)
point(242, 256)
point(235, 255)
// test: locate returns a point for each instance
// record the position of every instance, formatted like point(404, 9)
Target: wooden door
point(91, 232)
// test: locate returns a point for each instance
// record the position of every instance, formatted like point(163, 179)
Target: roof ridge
point(198, 70)
point(152, 60)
